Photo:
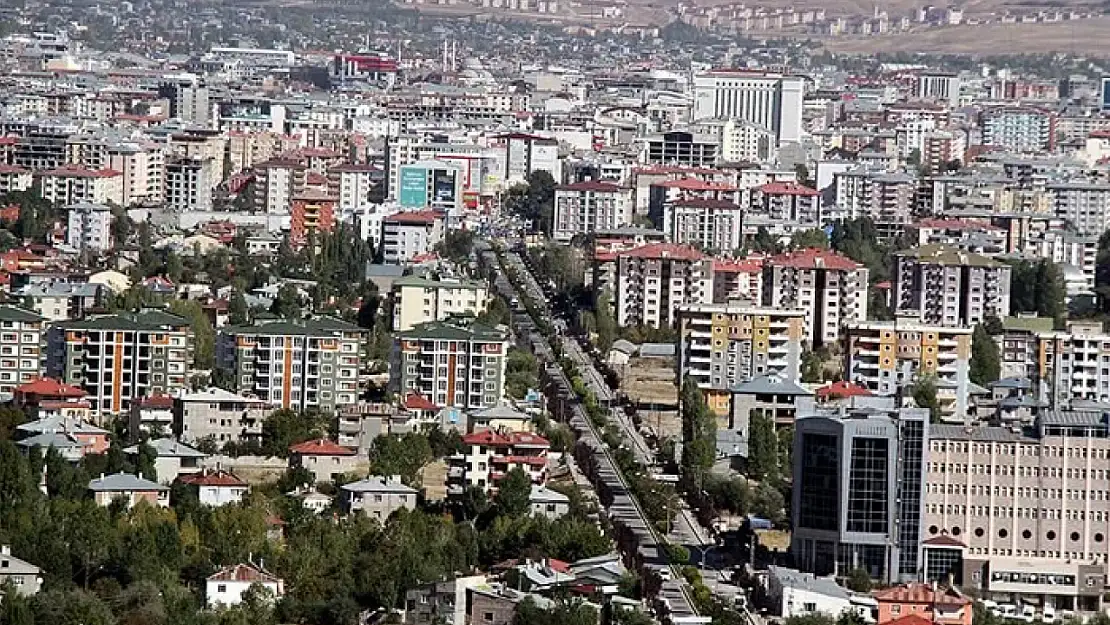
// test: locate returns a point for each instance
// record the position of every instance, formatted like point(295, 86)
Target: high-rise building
point(886, 357)
point(188, 102)
point(188, 186)
point(407, 235)
point(770, 100)
point(310, 363)
point(21, 347)
point(73, 185)
point(1070, 365)
point(311, 212)
point(1083, 205)
point(722, 345)
point(351, 183)
point(89, 227)
point(858, 489)
point(829, 287)
point(121, 358)
point(585, 207)
point(946, 286)
point(452, 364)
point(940, 86)
point(652, 281)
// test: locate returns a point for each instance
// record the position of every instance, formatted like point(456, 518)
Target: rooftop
point(321, 447)
point(123, 482)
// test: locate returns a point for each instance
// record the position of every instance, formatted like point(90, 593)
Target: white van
point(1049, 614)
point(1028, 613)
point(1008, 610)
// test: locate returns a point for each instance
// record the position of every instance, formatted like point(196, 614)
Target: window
point(221, 588)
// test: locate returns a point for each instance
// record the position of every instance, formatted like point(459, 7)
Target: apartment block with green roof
point(457, 365)
point(304, 364)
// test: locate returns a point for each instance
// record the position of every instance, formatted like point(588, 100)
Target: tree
point(456, 245)
point(1037, 287)
point(286, 427)
point(769, 503)
point(858, 580)
point(986, 365)
point(564, 613)
point(924, 393)
point(699, 433)
point(237, 310)
point(521, 372)
point(287, 304)
point(813, 367)
point(514, 493)
point(496, 313)
point(764, 241)
point(813, 238)
point(606, 325)
point(802, 174)
point(145, 462)
point(10, 418)
point(204, 336)
point(15, 609)
point(763, 449)
point(403, 455)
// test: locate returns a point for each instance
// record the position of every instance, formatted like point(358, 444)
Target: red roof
point(491, 438)
point(920, 593)
point(665, 250)
point(737, 266)
point(213, 478)
point(885, 285)
point(416, 401)
point(156, 401)
point(591, 185)
point(944, 540)
point(813, 258)
point(956, 224)
point(698, 202)
point(787, 188)
point(321, 447)
point(842, 389)
point(412, 217)
point(12, 169)
point(695, 184)
point(81, 172)
point(674, 169)
point(243, 573)
point(49, 387)
point(910, 619)
point(315, 178)
point(1100, 134)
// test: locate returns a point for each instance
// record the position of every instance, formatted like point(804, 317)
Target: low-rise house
point(130, 488)
point(770, 395)
point(496, 604)
point(220, 415)
point(227, 586)
point(441, 602)
point(488, 456)
point(67, 445)
point(153, 415)
point(378, 497)
point(61, 301)
point(502, 417)
point(940, 606)
point(173, 459)
point(792, 593)
point(323, 458)
point(94, 439)
point(549, 503)
point(24, 576)
point(216, 488)
point(46, 397)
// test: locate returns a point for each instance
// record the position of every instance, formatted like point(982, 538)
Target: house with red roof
point(32, 395)
point(653, 280)
point(323, 458)
point(935, 605)
point(227, 586)
point(590, 206)
point(830, 287)
point(216, 488)
point(488, 455)
point(841, 390)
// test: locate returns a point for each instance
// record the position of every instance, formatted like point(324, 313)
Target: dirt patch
point(434, 480)
point(1085, 36)
point(647, 381)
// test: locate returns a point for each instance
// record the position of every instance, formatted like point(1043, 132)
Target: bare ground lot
point(1076, 37)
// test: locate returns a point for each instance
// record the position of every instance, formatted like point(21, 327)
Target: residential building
point(488, 456)
point(302, 365)
point(94, 440)
point(377, 497)
point(1071, 365)
point(939, 86)
point(792, 593)
point(500, 418)
point(216, 488)
point(218, 415)
point(944, 286)
point(418, 300)
point(858, 489)
point(452, 364)
point(21, 348)
point(119, 358)
point(744, 142)
point(692, 147)
point(153, 414)
point(1084, 205)
point(188, 185)
point(652, 281)
point(941, 605)
point(276, 182)
point(324, 459)
point(226, 587)
point(886, 357)
point(24, 576)
point(1019, 347)
point(172, 459)
point(830, 287)
point(710, 224)
point(765, 99)
point(69, 185)
point(89, 227)
point(49, 398)
point(61, 301)
point(352, 182)
point(524, 154)
point(1019, 130)
point(132, 489)
point(789, 203)
point(444, 601)
point(739, 281)
point(769, 395)
point(1027, 509)
point(311, 212)
point(548, 503)
point(722, 345)
point(407, 235)
point(14, 178)
point(586, 207)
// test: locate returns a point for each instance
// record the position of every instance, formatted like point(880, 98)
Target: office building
point(585, 207)
point(886, 357)
point(830, 287)
point(89, 227)
point(302, 365)
point(524, 154)
point(407, 235)
point(419, 300)
point(766, 99)
point(858, 489)
point(455, 364)
point(652, 281)
point(121, 358)
point(940, 285)
point(21, 343)
point(722, 345)
point(432, 184)
point(1027, 513)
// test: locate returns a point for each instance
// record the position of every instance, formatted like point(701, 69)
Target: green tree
point(287, 304)
point(514, 493)
point(71, 607)
point(1037, 287)
point(521, 372)
point(564, 613)
point(813, 367)
point(286, 427)
point(606, 324)
point(15, 609)
point(924, 393)
point(699, 434)
point(802, 173)
point(858, 580)
point(237, 310)
point(768, 502)
point(10, 418)
point(496, 313)
point(763, 449)
point(813, 238)
point(764, 241)
point(986, 365)
point(456, 245)
point(403, 455)
point(204, 336)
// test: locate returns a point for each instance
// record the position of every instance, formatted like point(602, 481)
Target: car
point(1008, 610)
point(1028, 613)
point(1049, 614)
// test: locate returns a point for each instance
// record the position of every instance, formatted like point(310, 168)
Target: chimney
point(5, 550)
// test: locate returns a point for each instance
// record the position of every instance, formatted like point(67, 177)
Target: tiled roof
point(156, 401)
point(842, 389)
point(920, 593)
point(944, 540)
point(412, 217)
point(787, 188)
point(49, 387)
point(664, 250)
point(813, 258)
point(321, 447)
point(590, 185)
point(945, 255)
point(737, 266)
point(243, 573)
point(910, 619)
point(497, 439)
point(695, 184)
point(416, 401)
point(698, 202)
point(213, 478)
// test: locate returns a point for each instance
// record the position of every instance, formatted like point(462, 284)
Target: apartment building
point(1019, 130)
point(654, 279)
point(74, 185)
point(722, 345)
point(455, 364)
point(309, 363)
point(351, 183)
point(218, 415)
point(1029, 511)
point(693, 147)
point(1072, 364)
point(1086, 206)
point(188, 185)
point(59, 301)
point(489, 455)
point(886, 357)
point(89, 227)
point(377, 497)
point(712, 224)
point(830, 287)
point(276, 182)
point(419, 300)
point(740, 280)
point(945, 286)
point(788, 203)
point(311, 212)
point(21, 343)
point(407, 235)
point(585, 207)
point(143, 168)
point(121, 358)
point(523, 154)
point(858, 489)
point(15, 178)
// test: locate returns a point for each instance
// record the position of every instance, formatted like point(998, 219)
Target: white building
point(172, 459)
point(792, 593)
point(410, 234)
point(654, 280)
point(227, 586)
point(217, 488)
point(770, 100)
point(488, 456)
point(73, 185)
point(419, 300)
point(89, 227)
point(829, 287)
point(940, 86)
point(549, 503)
point(745, 142)
point(585, 207)
point(1086, 206)
point(524, 153)
point(351, 183)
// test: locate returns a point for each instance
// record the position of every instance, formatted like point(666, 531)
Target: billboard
point(443, 186)
point(1104, 94)
point(414, 187)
